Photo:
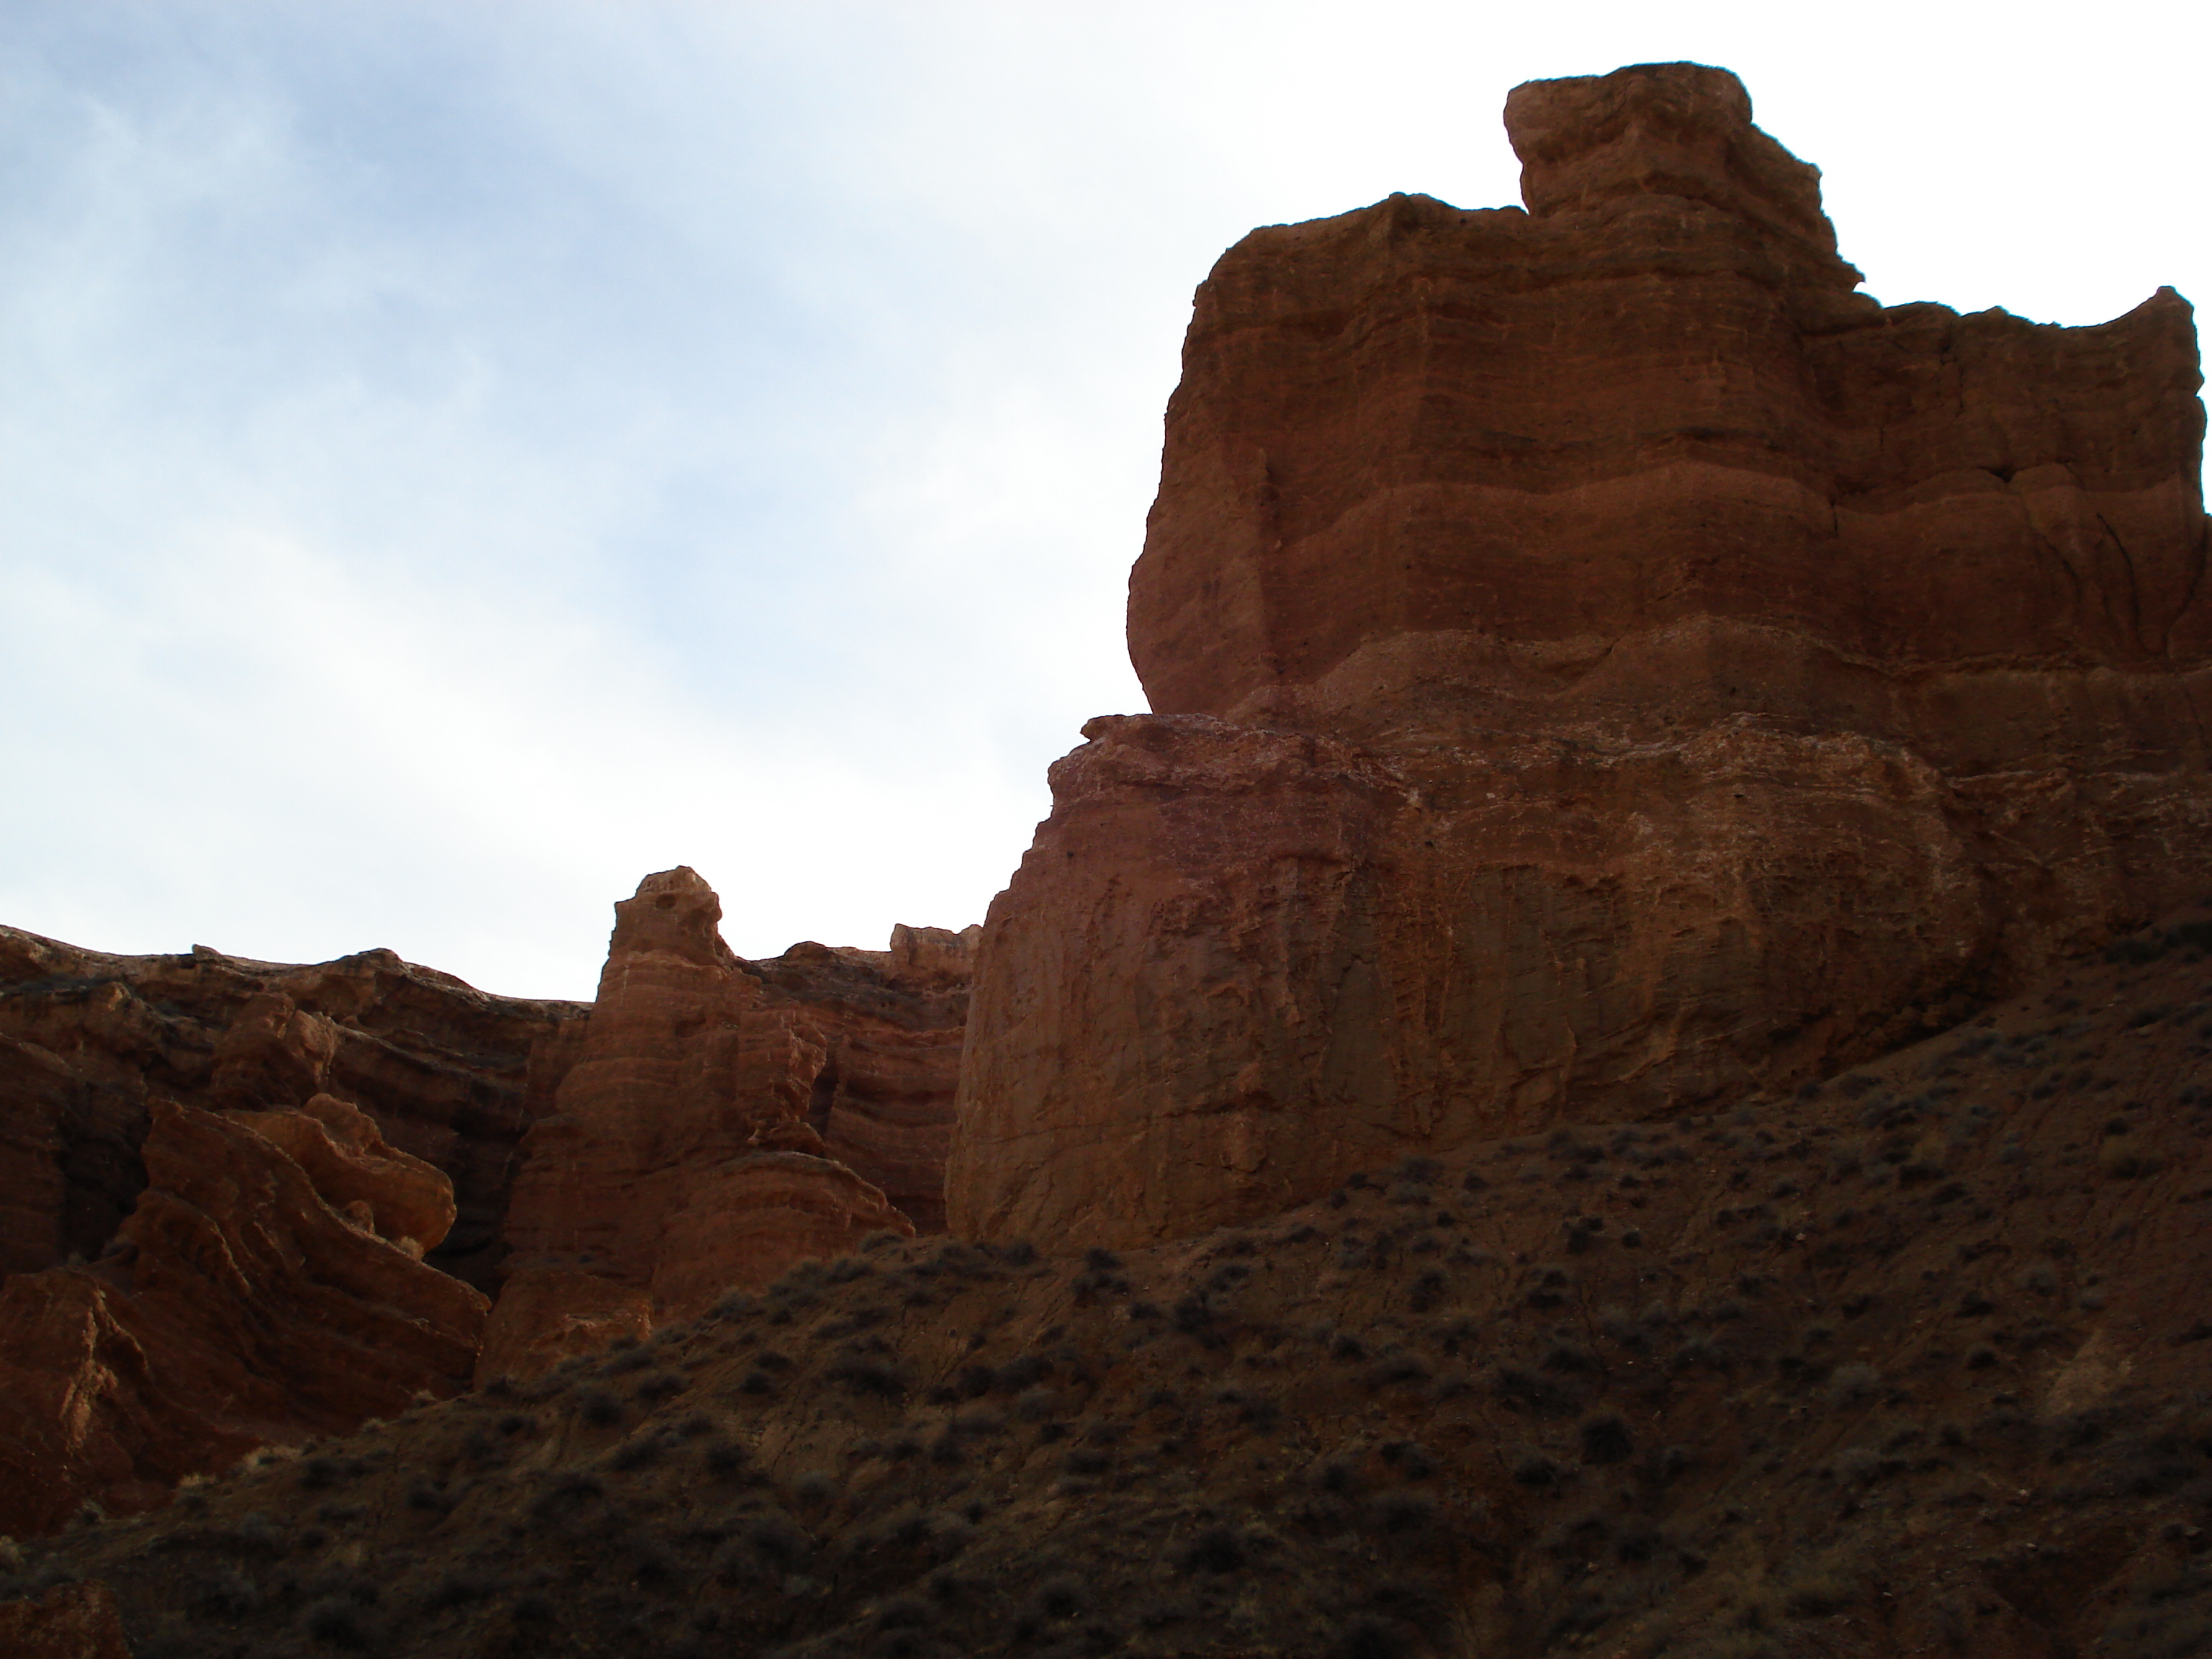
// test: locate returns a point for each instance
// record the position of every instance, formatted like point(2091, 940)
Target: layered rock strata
point(890, 1024)
point(87, 1039)
point(725, 1120)
point(1602, 663)
point(269, 1284)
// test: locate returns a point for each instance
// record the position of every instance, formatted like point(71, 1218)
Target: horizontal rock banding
point(1602, 664)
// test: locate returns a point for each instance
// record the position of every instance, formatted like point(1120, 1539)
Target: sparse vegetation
point(1685, 1435)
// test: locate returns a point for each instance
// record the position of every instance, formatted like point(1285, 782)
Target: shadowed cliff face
point(87, 1041)
point(1602, 663)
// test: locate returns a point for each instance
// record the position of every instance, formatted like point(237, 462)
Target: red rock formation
point(890, 1024)
point(1604, 663)
point(359, 1176)
point(248, 1299)
point(447, 1074)
point(679, 1159)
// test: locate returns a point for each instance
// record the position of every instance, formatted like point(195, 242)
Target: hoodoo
point(1601, 662)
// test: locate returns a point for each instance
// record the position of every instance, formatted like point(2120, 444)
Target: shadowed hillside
point(1911, 1363)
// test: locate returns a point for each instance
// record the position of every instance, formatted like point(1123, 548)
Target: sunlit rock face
point(722, 1120)
point(1603, 665)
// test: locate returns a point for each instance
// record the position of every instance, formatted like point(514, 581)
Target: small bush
point(1606, 1439)
point(225, 1593)
point(1411, 1459)
point(339, 1621)
point(775, 1536)
point(1852, 1384)
point(568, 1491)
point(2123, 1158)
point(1216, 1550)
point(320, 1474)
point(1856, 1466)
point(1533, 1468)
point(1061, 1596)
point(457, 1589)
point(1402, 1512)
point(598, 1407)
point(637, 1452)
point(1368, 1637)
point(1340, 1475)
point(428, 1497)
point(1396, 1368)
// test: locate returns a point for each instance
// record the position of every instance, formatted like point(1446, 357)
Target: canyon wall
point(245, 1202)
point(89, 1041)
point(723, 1120)
point(1602, 663)
point(268, 1284)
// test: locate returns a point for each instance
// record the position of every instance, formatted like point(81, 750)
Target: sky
point(457, 458)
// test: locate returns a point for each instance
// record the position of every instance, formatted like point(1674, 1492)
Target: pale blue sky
point(457, 458)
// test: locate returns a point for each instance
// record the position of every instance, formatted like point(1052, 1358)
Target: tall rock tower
point(1603, 665)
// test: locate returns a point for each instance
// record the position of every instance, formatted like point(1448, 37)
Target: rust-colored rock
point(890, 1024)
point(1603, 663)
point(448, 1075)
point(403, 1197)
point(680, 1159)
point(71, 1621)
point(241, 1305)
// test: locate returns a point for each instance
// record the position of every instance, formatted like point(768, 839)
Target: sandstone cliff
point(1603, 663)
point(772, 1111)
point(268, 1284)
point(87, 1039)
point(723, 1120)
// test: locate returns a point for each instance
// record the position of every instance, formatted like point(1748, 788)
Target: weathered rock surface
point(249, 1297)
point(723, 1119)
point(1603, 663)
point(890, 1024)
point(87, 1039)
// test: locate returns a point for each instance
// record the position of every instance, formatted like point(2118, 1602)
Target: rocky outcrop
point(701, 1140)
point(1603, 665)
point(252, 1296)
point(890, 1024)
point(446, 1074)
